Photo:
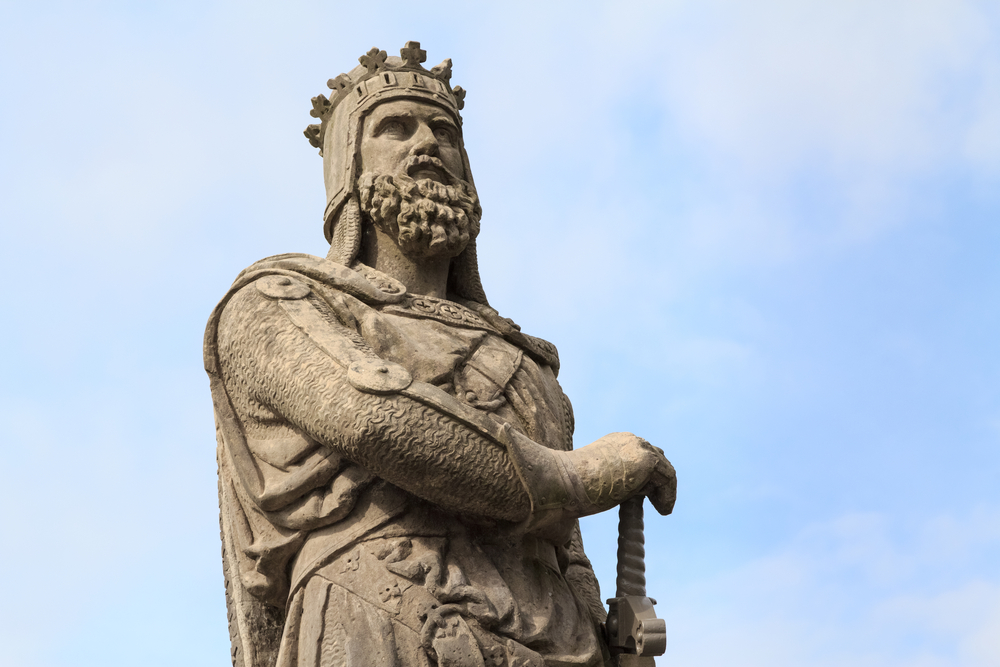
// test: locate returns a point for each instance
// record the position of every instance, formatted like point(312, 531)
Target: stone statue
point(396, 473)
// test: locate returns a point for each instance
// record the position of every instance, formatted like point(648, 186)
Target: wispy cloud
point(851, 107)
point(860, 590)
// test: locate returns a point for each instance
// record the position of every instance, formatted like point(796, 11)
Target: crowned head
point(393, 156)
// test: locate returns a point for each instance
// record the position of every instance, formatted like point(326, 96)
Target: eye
point(444, 135)
point(393, 128)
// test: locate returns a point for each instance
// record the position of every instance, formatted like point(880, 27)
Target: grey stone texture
point(397, 479)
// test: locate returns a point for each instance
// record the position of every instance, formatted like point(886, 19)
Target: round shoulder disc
point(377, 376)
point(282, 287)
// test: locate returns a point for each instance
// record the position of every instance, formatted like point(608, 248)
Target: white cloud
point(982, 145)
point(860, 590)
point(967, 616)
point(854, 107)
point(776, 83)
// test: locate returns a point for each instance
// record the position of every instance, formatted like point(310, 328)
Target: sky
point(764, 236)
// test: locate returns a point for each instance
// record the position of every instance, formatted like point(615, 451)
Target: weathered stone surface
point(397, 479)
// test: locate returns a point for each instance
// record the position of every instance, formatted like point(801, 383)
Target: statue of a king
point(398, 484)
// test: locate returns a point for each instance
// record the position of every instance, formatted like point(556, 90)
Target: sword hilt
point(635, 635)
point(631, 549)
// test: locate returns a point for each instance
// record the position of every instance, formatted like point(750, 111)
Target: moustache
point(419, 162)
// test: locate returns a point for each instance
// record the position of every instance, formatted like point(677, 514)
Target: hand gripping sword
point(635, 635)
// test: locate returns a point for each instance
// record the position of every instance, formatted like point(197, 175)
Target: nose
point(424, 142)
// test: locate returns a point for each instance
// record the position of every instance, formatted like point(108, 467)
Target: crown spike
point(459, 94)
point(412, 54)
point(313, 135)
point(374, 60)
point(320, 106)
point(339, 83)
point(443, 71)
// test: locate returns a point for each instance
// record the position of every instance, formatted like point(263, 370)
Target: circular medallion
point(377, 376)
point(472, 318)
point(282, 287)
point(423, 305)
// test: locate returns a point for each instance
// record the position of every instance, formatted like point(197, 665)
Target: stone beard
point(427, 218)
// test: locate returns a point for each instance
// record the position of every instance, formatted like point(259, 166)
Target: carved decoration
point(443, 71)
point(441, 310)
point(459, 94)
point(374, 60)
point(412, 54)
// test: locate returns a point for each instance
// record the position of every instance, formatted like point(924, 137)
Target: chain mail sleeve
point(275, 374)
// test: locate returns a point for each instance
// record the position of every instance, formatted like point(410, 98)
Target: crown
point(384, 77)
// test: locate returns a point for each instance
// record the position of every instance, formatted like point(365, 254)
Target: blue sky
point(763, 235)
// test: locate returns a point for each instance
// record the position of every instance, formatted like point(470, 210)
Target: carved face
point(412, 184)
point(400, 130)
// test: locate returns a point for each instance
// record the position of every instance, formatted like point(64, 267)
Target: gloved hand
point(621, 465)
point(564, 486)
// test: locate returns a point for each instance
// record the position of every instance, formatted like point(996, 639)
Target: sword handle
point(631, 549)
